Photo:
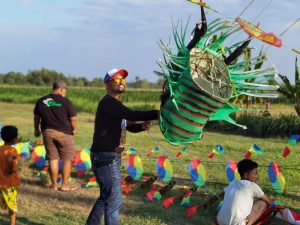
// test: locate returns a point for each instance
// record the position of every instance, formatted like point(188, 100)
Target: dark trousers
point(106, 167)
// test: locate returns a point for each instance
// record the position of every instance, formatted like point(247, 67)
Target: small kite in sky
point(256, 32)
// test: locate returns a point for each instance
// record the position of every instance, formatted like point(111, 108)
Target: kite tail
point(254, 82)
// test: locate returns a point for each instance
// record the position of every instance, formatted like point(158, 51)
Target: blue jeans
point(106, 167)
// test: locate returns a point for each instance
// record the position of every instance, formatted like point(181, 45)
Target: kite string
point(262, 11)
point(162, 147)
point(245, 8)
point(258, 15)
point(284, 32)
point(289, 27)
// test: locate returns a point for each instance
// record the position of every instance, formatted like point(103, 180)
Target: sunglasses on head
point(119, 79)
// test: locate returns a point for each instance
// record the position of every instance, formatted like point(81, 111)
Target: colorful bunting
point(82, 161)
point(169, 201)
point(42, 175)
point(186, 200)
point(134, 167)
point(218, 149)
point(23, 148)
point(155, 150)
point(192, 210)
point(209, 202)
point(153, 194)
point(92, 182)
point(164, 169)
point(276, 177)
point(232, 171)
point(183, 150)
point(130, 151)
point(127, 188)
point(292, 142)
point(38, 155)
point(197, 172)
point(254, 149)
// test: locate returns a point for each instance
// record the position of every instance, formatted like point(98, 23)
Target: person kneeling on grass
point(239, 206)
point(9, 175)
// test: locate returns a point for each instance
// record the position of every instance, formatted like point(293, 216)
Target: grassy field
point(39, 205)
point(85, 99)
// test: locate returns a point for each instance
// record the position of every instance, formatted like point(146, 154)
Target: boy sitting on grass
point(9, 175)
point(239, 207)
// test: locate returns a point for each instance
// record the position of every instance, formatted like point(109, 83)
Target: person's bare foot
point(69, 188)
point(55, 188)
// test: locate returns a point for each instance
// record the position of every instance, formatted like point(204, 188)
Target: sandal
point(66, 189)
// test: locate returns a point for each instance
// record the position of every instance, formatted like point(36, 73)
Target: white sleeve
point(257, 191)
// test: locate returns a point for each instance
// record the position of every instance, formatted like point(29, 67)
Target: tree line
point(46, 77)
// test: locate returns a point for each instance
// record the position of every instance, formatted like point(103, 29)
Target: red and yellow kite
point(254, 31)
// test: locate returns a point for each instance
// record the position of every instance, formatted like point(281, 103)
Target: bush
point(262, 126)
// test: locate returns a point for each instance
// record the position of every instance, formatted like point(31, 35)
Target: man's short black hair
point(9, 133)
point(245, 166)
point(59, 84)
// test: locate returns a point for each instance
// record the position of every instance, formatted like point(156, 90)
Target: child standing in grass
point(9, 176)
point(240, 207)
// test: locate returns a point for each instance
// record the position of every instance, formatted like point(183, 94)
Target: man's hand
point(37, 133)
point(146, 125)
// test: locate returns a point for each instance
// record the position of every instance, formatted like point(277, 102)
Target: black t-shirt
point(55, 111)
point(108, 123)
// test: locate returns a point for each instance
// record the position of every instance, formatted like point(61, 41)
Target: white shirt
point(238, 202)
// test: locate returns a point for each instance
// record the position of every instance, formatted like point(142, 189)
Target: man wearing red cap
point(112, 121)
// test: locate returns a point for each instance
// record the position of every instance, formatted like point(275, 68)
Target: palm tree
point(292, 92)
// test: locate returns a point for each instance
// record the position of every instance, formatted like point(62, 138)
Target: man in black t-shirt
point(112, 121)
point(56, 117)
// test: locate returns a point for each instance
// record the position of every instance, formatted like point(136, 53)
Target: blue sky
point(89, 37)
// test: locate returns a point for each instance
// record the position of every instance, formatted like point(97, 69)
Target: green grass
point(85, 99)
point(38, 205)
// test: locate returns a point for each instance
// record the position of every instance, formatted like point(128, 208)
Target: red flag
point(211, 154)
point(128, 188)
point(192, 211)
point(248, 155)
point(167, 202)
point(178, 154)
point(286, 151)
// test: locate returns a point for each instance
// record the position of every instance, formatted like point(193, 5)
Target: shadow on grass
point(77, 197)
point(20, 220)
